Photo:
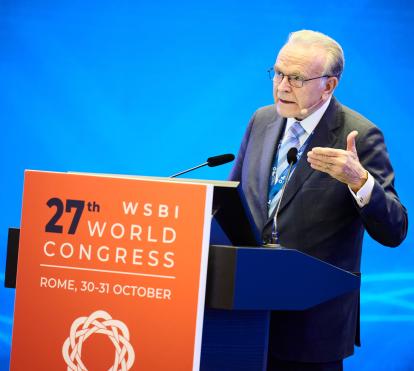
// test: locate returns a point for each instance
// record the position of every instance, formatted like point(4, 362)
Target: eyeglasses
point(293, 80)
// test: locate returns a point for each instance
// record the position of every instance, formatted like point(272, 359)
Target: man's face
point(306, 62)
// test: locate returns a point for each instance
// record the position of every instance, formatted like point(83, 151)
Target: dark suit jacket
point(319, 216)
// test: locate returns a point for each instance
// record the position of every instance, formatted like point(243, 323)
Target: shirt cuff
point(363, 196)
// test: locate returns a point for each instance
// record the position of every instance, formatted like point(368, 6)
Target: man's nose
point(284, 84)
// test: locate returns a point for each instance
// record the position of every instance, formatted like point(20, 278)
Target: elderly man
point(342, 184)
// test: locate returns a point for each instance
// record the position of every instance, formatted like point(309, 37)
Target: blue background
point(153, 88)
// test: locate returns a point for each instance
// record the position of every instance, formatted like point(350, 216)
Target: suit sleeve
point(384, 217)
point(236, 171)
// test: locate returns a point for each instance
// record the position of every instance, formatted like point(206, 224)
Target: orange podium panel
point(111, 273)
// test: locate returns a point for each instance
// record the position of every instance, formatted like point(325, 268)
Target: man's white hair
point(336, 60)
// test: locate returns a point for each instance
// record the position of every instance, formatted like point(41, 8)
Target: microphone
point(220, 160)
point(211, 162)
point(291, 159)
point(292, 156)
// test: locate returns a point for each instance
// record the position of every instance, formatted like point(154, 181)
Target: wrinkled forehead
point(296, 58)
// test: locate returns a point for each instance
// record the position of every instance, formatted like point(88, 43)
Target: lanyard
point(277, 184)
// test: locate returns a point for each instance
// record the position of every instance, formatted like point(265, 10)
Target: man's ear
point(330, 85)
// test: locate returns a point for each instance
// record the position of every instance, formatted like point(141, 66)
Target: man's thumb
point(350, 141)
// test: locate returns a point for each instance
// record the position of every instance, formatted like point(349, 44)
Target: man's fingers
point(326, 152)
point(321, 163)
point(324, 167)
point(350, 141)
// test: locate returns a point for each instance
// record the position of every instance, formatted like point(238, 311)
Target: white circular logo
point(99, 322)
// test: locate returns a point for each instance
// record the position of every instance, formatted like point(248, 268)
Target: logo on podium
point(99, 322)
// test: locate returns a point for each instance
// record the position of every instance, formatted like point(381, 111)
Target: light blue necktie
point(290, 139)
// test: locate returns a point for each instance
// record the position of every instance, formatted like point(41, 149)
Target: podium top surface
point(216, 183)
point(272, 279)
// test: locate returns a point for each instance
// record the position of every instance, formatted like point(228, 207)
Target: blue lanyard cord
point(277, 184)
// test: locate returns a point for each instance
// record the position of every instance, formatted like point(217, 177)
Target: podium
point(245, 283)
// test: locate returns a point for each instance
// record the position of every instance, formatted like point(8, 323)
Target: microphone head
point(220, 159)
point(292, 156)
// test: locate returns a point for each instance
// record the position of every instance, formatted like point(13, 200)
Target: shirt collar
point(309, 123)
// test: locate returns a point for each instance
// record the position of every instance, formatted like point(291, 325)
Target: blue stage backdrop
point(151, 88)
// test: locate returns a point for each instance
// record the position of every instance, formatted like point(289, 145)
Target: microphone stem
point(188, 170)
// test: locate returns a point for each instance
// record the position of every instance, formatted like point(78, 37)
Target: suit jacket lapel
point(324, 136)
point(273, 133)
